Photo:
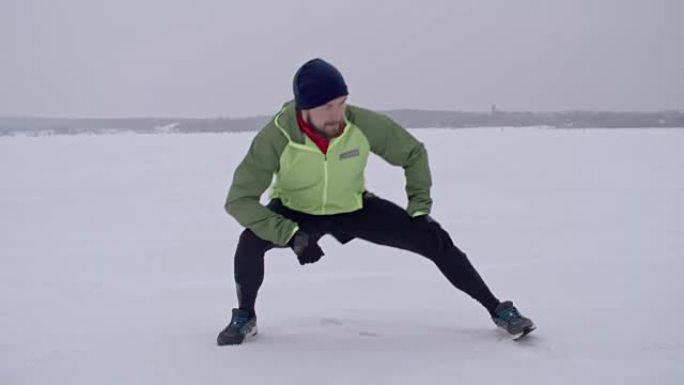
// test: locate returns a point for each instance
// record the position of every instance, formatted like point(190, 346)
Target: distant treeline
point(407, 118)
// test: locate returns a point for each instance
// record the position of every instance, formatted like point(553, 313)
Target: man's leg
point(249, 268)
point(249, 254)
point(249, 274)
point(384, 223)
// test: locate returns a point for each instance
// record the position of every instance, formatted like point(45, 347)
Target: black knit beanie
point(317, 82)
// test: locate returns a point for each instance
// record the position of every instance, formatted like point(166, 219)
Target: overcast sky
point(209, 58)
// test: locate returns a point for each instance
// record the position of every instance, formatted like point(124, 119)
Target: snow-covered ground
point(116, 266)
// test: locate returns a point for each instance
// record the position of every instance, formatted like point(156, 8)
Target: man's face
point(327, 120)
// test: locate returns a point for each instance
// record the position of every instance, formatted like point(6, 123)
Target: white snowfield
point(116, 266)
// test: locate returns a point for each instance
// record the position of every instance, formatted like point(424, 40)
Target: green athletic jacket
point(309, 181)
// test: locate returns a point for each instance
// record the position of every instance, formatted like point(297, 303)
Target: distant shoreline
point(407, 118)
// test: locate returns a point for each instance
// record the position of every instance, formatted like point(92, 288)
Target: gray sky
point(208, 58)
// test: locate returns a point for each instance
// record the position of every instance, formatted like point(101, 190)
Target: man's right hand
point(307, 249)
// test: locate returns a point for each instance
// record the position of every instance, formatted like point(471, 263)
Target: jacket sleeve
point(251, 179)
point(398, 147)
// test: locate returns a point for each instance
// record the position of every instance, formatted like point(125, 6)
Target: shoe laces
point(509, 313)
point(240, 321)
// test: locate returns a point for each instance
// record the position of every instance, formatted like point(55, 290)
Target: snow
point(116, 260)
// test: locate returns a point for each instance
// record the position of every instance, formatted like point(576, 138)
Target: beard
point(318, 130)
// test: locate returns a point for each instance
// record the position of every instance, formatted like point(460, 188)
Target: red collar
point(320, 141)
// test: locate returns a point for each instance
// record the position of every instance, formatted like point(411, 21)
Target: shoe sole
point(516, 336)
point(526, 331)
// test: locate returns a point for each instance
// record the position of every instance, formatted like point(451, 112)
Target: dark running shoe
point(508, 318)
point(242, 326)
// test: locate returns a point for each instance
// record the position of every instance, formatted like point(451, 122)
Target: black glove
point(440, 236)
point(307, 249)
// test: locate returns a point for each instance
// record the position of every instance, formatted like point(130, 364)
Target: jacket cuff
point(292, 235)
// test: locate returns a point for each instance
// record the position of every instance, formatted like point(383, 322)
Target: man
point(317, 147)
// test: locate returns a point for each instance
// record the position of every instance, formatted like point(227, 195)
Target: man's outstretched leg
point(383, 222)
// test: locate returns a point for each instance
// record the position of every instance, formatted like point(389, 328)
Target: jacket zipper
point(325, 183)
point(333, 142)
